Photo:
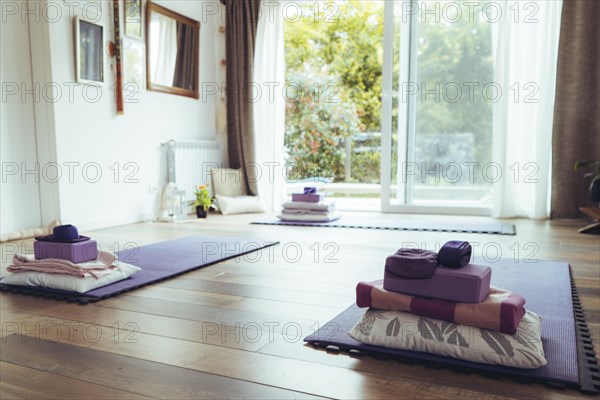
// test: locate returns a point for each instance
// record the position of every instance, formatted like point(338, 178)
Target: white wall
point(19, 194)
point(92, 138)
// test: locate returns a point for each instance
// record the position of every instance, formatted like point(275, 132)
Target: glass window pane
point(451, 143)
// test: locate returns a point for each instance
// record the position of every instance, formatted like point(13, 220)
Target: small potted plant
point(594, 175)
point(594, 196)
point(203, 201)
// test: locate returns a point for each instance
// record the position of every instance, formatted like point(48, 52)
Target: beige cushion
point(228, 182)
point(240, 205)
point(406, 331)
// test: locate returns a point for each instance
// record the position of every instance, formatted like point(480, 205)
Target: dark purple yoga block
point(469, 284)
point(75, 252)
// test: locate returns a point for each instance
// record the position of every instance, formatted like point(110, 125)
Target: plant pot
point(201, 212)
point(595, 191)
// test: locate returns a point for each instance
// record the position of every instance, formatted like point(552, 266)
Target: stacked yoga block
point(443, 286)
point(438, 303)
point(445, 276)
point(75, 252)
point(65, 243)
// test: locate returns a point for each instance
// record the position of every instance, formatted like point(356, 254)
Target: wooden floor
point(235, 329)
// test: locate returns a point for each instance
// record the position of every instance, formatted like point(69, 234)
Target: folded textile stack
point(309, 206)
point(67, 261)
point(104, 265)
point(441, 304)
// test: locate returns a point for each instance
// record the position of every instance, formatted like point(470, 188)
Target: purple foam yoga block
point(309, 197)
point(75, 252)
point(469, 284)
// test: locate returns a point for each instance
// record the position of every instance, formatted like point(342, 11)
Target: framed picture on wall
point(133, 18)
point(89, 51)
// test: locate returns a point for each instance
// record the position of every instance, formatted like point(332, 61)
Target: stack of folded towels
point(67, 261)
point(440, 303)
point(309, 206)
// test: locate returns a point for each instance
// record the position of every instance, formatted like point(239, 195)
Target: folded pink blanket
point(500, 310)
point(103, 265)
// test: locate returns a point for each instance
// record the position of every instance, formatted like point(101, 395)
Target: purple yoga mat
point(399, 224)
point(158, 262)
point(546, 286)
point(166, 259)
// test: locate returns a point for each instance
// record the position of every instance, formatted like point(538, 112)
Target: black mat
point(396, 223)
point(159, 261)
point(550, 292)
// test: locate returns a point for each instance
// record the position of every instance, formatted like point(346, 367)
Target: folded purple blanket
point(500, 310)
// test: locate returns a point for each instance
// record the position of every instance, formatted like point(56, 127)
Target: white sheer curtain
point(525, 49)
point(269, 108)
point(164, 49)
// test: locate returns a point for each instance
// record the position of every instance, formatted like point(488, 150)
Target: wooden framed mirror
point(172, 48)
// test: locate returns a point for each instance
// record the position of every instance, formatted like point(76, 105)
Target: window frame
point(406, 121)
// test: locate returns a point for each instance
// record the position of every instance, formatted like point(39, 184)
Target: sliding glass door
point(438, 93)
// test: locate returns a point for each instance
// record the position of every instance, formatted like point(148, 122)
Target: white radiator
point(190, 162)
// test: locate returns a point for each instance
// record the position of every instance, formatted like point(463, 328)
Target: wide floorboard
point(235, 329)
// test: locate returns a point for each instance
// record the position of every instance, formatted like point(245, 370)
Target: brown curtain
point(186, 59)
point(241, 23)
point(576, 135)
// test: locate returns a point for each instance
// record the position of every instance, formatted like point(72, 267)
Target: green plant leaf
point(584, 164)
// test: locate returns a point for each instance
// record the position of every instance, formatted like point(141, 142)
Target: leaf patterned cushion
point(406, 331)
